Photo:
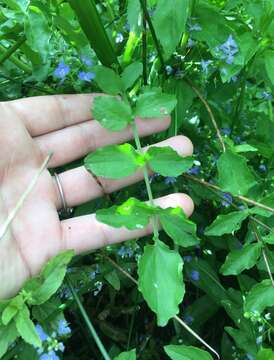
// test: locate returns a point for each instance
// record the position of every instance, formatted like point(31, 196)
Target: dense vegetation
point(202, 283)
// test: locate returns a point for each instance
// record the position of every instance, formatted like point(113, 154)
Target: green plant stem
point(8, 54)
point(259, 239)
point(146, 178)
point(11, 49)
point(87, 321)
point(144, 48)
point(153, 33)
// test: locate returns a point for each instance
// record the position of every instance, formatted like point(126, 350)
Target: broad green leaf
point(108, 80)
point(113, 278)
point(133, 214)
point(112, 113)
point(183, 352)
point(269, 65)
point(127, 355)
point(134, 17)
point(50, 279)
point(260, 297)
point(169, 21)
point(12, 309)
point(269, 239)
point(267, 200)
point(178, 227)
point(154, 104)
point(167, 162)
point(234, 174)
point(226, 224)
point(265, 354)
point(113, 161)
point(162, 290)
point(242, 339)
point(26, 327)
point(245, 148)
point(239, 260)
point(131, 74)
point(7, 336)
point(37, 31)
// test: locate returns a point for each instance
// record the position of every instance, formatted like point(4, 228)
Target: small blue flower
point(194, 27)
point(266, 96)
point(205, 64)
point(226, 131)
point(188, 258)
point(169, 70)
point(42, 335)
point(63, 327)
point(259, 340)
point(194, 275)
point(86, 76)
point(51, 355)
point(170, 180)
point(249, 357)
point(125, 252)
point(119, 38)
point(229, 49)
point(227, 200)
point(195, 170)
point(262, 168)
point(190, 43)
point(153, 177)
point(61, 347)
point(62, 70)
point(188, 319)
point(86, 60)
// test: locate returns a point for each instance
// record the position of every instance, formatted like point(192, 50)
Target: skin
point(30, 129)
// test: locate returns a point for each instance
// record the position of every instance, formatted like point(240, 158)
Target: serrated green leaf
point(26, 327)
point(234, 174)
point(112, 113)
point(131, 74)
point(133, 214)
point(37, 31)
point(226, 224)
point(113, 161)
point(12, 309)
point(239, 260)
point(183, 352)
point(7, 336)
point(169, 21)
point(167, 162)
point(162, 290)
point(108, 80)
point(178, 227)
point(154, 104)
point(43, 286)
point(260, 297)
point(127, 355)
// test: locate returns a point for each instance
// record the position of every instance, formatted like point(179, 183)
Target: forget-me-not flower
point(227, 200)
point(229, 49)
point(51, 355)
point(63, 327)
point(62, 70)
point(86, 76)
point(170, 180)
point(86, 60)
point(41, 333)
point(205, 64)
point(194, 275)
point(266, 95)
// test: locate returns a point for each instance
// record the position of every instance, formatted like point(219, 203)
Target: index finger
point(44, 114)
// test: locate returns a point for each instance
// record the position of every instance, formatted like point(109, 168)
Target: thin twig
point(258, 238)
point(22, 199)
point(210, 113)
point(242, 198)
point(153, 33)
point(175, 317)
point(193, 333)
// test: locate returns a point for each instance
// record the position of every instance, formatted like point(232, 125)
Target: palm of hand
point(29, 130)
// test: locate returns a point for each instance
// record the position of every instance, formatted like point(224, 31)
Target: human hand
point(29, 130)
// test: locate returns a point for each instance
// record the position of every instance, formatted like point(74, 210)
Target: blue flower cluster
point(227, 200)
point(228, 50)
point(62, 70)
point(51, 345)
